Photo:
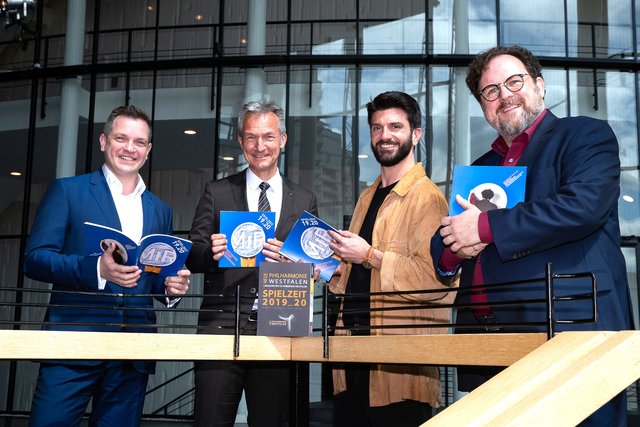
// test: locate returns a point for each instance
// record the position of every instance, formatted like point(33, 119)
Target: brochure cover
point(285, 299)
point(246, 233)
point(488, 187)
point(155, 253)
point(308, 241)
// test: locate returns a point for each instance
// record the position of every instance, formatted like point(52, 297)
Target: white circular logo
point(315, 243)
point(158, 254)
point(247, 239)
point(488, 196)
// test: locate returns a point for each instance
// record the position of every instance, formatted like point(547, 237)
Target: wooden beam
point(560, 383)
point(472, 349)
point(475, 349)
point(67, 345)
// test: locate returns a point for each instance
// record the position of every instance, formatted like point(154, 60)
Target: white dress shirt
point(129, 209)
point(274, 192)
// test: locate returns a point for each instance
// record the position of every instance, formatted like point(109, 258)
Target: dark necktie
point(263, 202)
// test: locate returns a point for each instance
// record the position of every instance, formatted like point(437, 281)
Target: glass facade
point(191, 64)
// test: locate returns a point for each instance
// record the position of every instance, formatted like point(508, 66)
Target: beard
point(392, 158)
point(514, 126)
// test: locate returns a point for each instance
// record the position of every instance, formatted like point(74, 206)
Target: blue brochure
point(488, 187)
point(246, 233)
point(308, 241)
point(155, 253)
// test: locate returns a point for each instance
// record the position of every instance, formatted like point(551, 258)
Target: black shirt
point(360, 278)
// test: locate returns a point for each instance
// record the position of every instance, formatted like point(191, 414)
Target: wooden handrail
point(474, 349)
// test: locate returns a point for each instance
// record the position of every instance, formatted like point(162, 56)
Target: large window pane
point(178, 158)
point(474, 23)
point(13, 164)
point(319, 151)
point(605, 95)
point(629, 203)
point(524, 23)
point(600, 29)
point(323, 28)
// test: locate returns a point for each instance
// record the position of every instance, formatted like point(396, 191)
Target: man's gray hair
point(261, 106)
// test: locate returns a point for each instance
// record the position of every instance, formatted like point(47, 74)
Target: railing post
point(550, 306)
point(236, 338)
point(325, 322)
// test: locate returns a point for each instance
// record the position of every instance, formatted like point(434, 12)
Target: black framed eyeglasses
point(513, 84)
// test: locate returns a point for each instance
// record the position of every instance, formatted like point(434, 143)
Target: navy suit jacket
point(230, 194)
point(56, 254)
point(569, 218)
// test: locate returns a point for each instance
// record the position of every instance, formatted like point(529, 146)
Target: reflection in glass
point(524, 23)
point(600, 29)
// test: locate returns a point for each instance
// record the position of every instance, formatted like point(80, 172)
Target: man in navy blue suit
point(569, 216)
point(114, 196)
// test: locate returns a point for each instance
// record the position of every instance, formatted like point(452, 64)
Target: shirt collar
point(116, 186)
point(253, 182)
point(500, 146)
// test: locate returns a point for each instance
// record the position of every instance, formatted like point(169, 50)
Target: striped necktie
point(263, 202)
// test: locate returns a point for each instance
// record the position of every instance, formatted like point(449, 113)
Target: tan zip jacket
point(405, 223)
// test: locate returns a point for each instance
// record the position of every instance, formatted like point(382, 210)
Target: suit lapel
point(288, 211)
point(102, 195)
point(239, 191)
point(148, 217)
point(538, 140)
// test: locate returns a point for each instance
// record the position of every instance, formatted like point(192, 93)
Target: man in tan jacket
point(387, 249)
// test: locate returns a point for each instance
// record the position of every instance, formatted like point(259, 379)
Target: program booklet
point(285, 299)
point(155, 253)
point(488, 187)
point(308, 241)
point(246, 233)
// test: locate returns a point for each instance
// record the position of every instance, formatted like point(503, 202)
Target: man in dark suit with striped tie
point(219, 384)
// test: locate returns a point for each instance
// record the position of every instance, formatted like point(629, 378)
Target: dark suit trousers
point(64, 391)
point(219, 386)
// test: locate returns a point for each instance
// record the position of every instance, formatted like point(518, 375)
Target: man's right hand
point(124, 275)
point(218, 245)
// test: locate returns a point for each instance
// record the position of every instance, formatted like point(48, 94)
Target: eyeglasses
point(122, 140)
point(513, 84)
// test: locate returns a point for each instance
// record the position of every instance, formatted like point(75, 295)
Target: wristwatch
point(366, 262)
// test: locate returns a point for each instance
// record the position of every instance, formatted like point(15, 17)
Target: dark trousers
point(64, 391)
point(351, 407)
point(219, 386)
point(611, 414)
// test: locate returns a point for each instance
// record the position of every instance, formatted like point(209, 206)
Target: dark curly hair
point(480, 62)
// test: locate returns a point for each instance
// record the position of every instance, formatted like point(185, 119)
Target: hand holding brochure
point(488, 187)
point(246, 233)
point(155, 253)
point(308, 241)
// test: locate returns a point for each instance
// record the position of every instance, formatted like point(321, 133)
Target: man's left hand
point(461, 230)
point(178, 285)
